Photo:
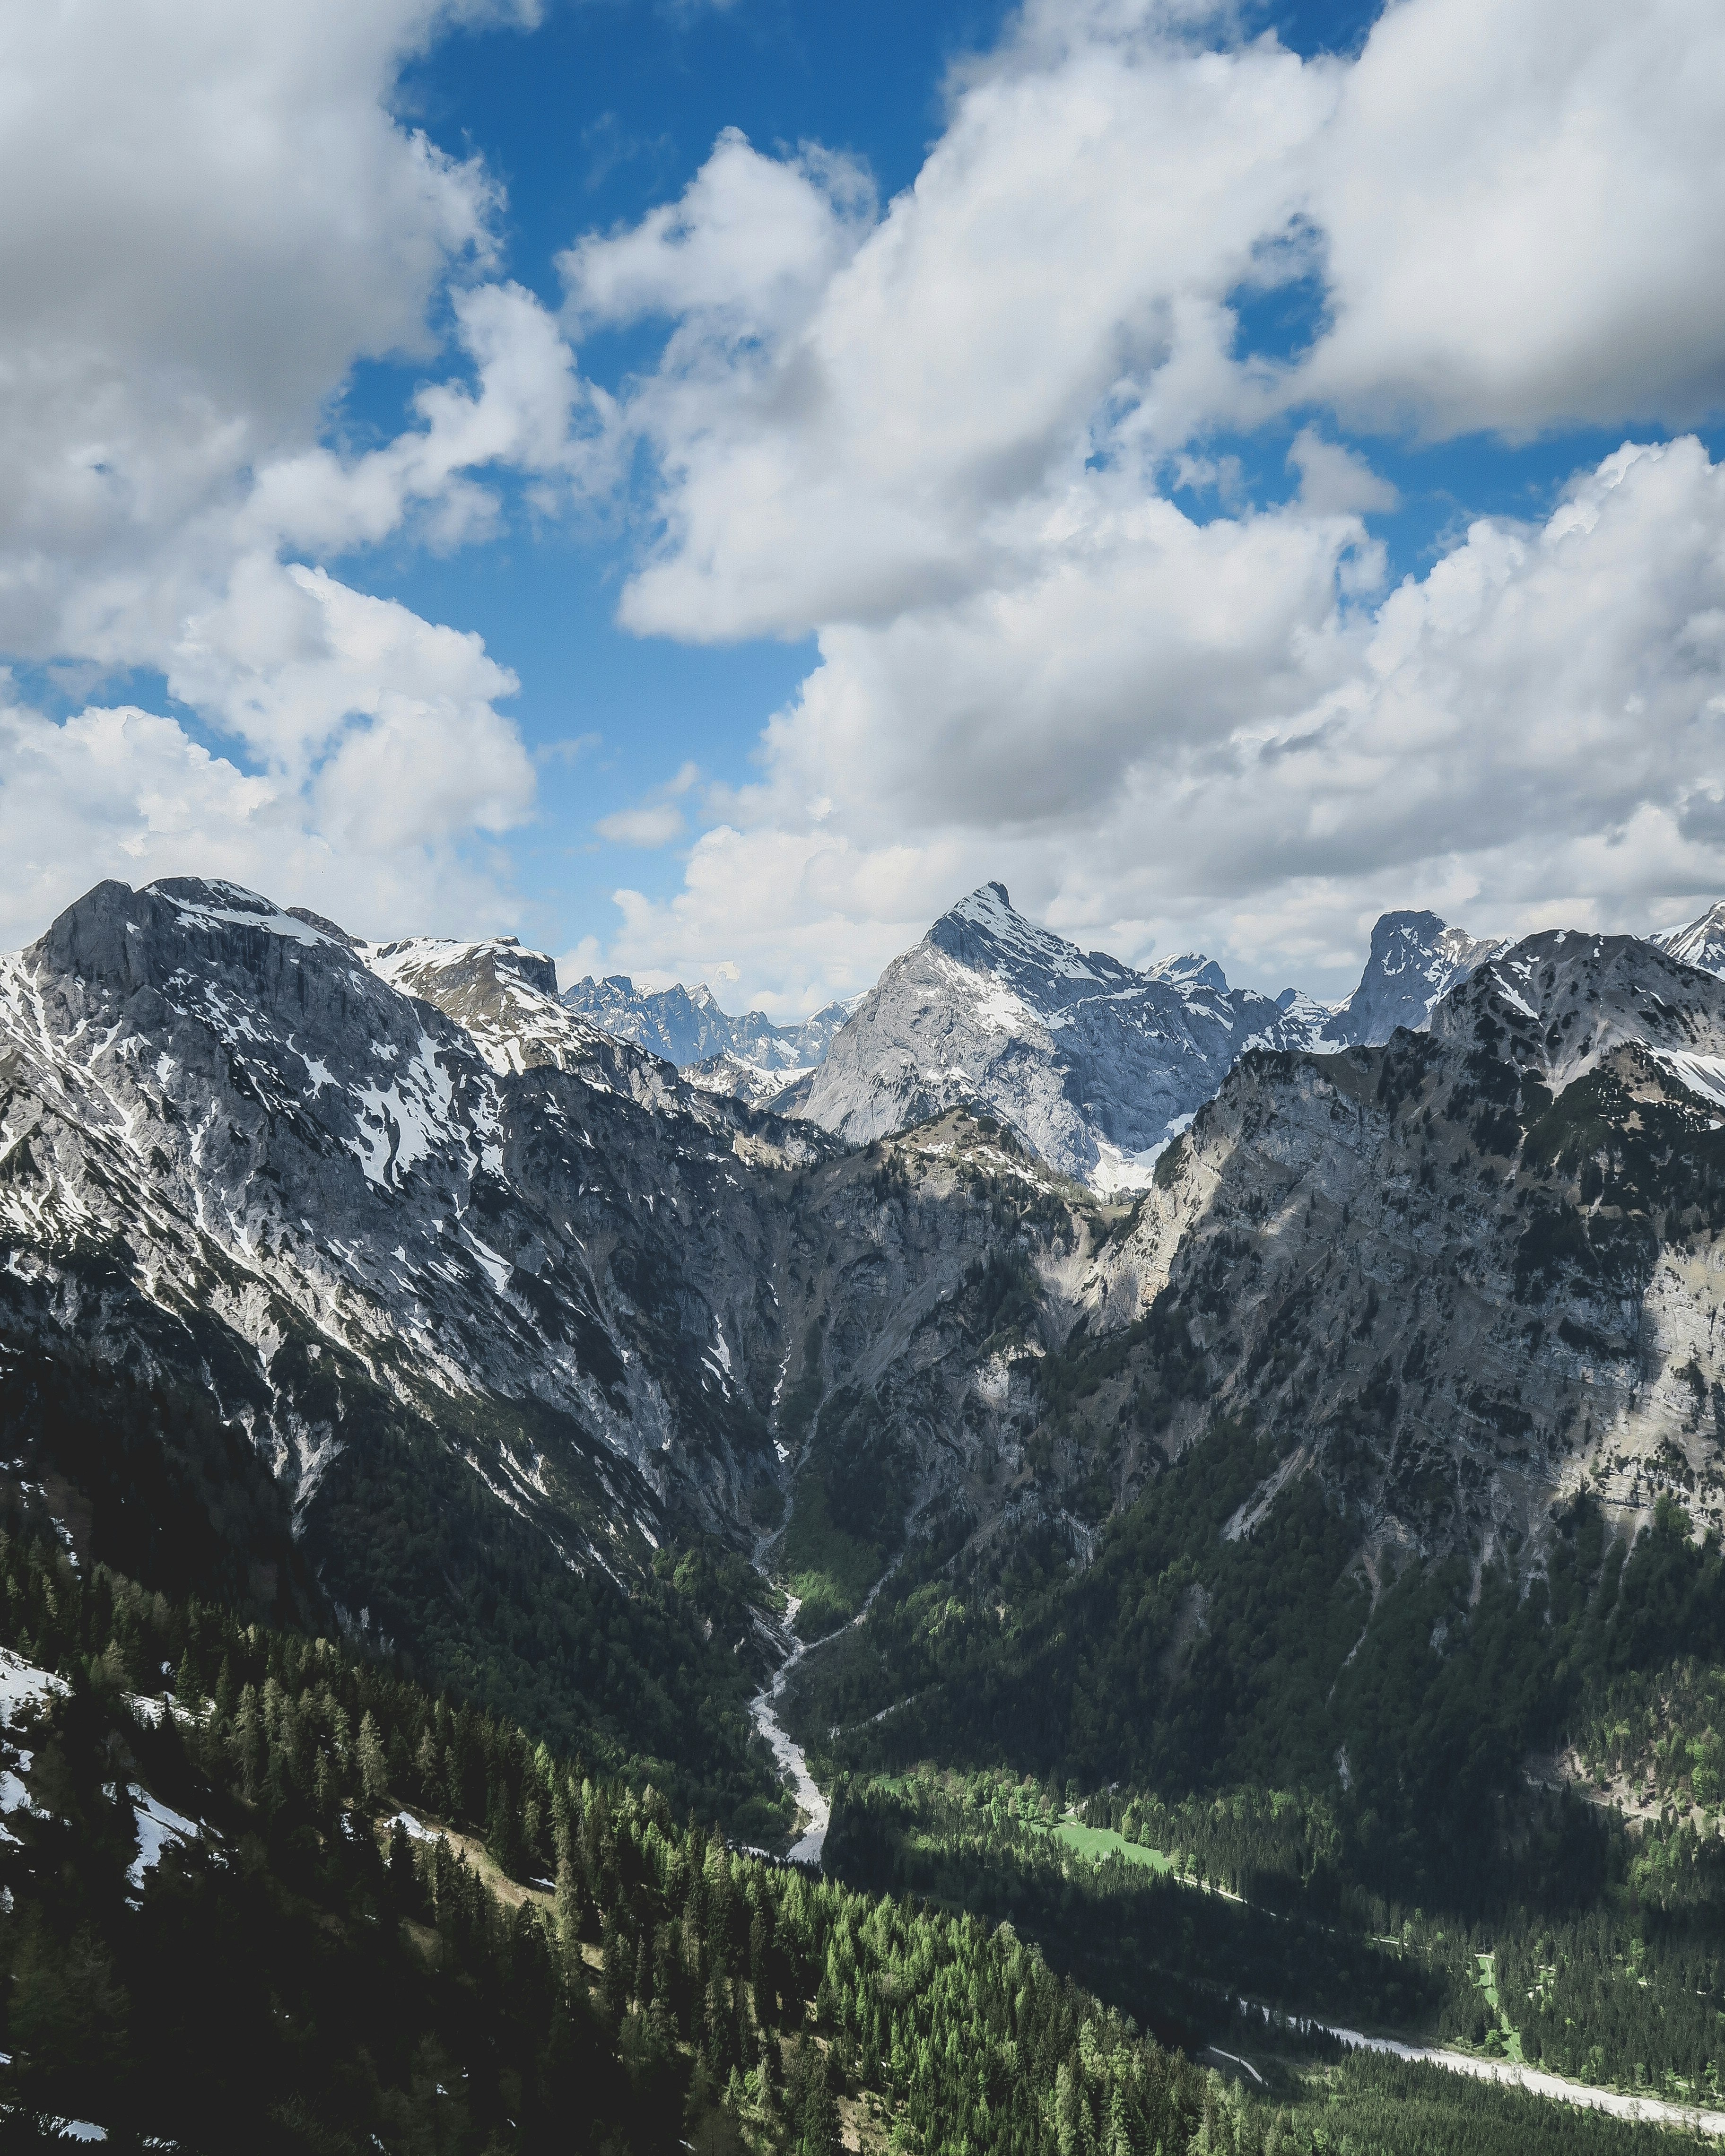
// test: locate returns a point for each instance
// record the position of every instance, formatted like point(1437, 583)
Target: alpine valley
point(1222, 1494)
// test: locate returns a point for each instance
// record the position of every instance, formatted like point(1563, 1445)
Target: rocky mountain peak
point(1191, 969)
point(1700, 942)
point(1561, 1002)
point(986, 934)
point(485, 964)
point(681, 1025)
point(505, 1000)
point(504, 996)
point(1095, 1064)
point(688, 1027)
point(1415, 959)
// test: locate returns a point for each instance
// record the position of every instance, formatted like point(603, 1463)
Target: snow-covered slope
point(761, 1086)
point(686, 1026)
point(1415, 959)
point(1095, 1064)
point(506, 999)
point(1699, 942)
point(374, 1201)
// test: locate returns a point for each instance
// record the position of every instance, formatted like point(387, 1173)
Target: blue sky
point(609, 108)
point(1141, 564)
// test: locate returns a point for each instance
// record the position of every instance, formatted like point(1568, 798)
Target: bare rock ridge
point(686, 1026)
point(1095, 1063)
point(1472, 1271)
point(1699, 942)
point(1415, 959)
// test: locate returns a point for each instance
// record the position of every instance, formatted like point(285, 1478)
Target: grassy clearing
point(1505, 2040)
point(1098, 1843)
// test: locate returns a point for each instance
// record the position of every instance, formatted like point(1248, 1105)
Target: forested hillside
point(295, 1902)
point(1330, 1531)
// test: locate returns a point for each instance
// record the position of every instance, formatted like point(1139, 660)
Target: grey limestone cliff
point(1095, 1063)
point(1467, 1274)
point(1415, 961)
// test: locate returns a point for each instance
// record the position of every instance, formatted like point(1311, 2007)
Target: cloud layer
point(946, 436)
point(991, 442)
point(192, 271)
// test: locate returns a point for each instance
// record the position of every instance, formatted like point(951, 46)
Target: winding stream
point(1655, 2109)
point(786, 1750)
point(764, 1714)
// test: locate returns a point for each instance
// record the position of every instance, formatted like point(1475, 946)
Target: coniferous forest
point(266, 1893)
point(1181, 1797)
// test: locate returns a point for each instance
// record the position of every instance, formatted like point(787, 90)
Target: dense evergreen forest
point(1162, 1910)
point(1181, 1661)
point(471, 1596)
point(262, 1892)
point(1391, 1805)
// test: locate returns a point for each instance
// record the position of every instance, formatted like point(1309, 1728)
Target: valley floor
point(1647, 2110)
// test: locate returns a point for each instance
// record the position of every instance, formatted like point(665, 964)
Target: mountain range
point(1096, 1065)
point(686, 1026)
point(364, 1198)
point(1352, 1446)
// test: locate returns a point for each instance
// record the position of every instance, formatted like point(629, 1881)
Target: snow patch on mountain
point(1700, 942)
point(1097, 1064)
point(686, 1027)
point(1704, 1075)
point(737, 1077)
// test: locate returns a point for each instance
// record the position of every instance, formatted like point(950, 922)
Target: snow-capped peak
point(213, 904)
point(1096, 1063)
point(1700, 942)
point(1189, 969)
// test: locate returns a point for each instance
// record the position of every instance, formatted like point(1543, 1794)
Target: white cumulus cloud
point(943, 436)
point(213, 215)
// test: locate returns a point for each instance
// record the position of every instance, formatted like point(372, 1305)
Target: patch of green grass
point(829, 1571)
point(1099, 1843)
point(1509, 2044)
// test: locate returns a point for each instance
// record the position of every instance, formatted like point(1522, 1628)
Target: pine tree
point(186, 1689)
point(820, 2114)
point(374, 1765)
point(568, 1904)
point(403, 1880)
point(503, 1833)
point(427, 1766)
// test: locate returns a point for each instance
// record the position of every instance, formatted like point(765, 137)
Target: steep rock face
point(263, 1132)
point(686, 1026)
point(1699, 942)
point(1095, 1063)
point(384, 1218)
point(759, 1086)
point(1415, 961)
point(1463, 1275)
